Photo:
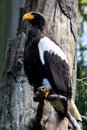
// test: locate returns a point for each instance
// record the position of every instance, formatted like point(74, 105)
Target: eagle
point(45, 63)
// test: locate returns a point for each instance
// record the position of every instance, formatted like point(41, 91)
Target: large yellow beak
point(28, 16)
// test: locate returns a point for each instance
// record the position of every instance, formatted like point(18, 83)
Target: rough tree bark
point(18, 111)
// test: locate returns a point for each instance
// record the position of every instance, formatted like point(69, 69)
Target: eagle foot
point(42, 93)
point(39, 95)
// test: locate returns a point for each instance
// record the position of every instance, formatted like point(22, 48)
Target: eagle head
point(36, 19)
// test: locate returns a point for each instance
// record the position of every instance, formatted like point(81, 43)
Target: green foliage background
point(81, 93)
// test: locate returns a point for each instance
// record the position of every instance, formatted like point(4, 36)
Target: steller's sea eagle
point(45, 63)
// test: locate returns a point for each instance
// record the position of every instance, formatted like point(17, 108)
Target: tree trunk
point(18, 111)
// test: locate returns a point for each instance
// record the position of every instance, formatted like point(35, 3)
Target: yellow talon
point(47, 93)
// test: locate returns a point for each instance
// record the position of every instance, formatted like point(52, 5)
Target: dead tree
point(18, 111)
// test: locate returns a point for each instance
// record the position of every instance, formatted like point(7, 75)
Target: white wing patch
point(45, 44)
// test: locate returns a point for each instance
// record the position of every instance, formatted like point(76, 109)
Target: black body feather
point(57, 71)
point(32, 64)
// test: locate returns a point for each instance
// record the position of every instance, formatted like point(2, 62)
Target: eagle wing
point(56, 66)
point(57, 71)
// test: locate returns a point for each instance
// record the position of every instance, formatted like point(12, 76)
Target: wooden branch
point(35, 122)
point(82, 81)
point(73, 121)
point(84, 119)
point(78, 80)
